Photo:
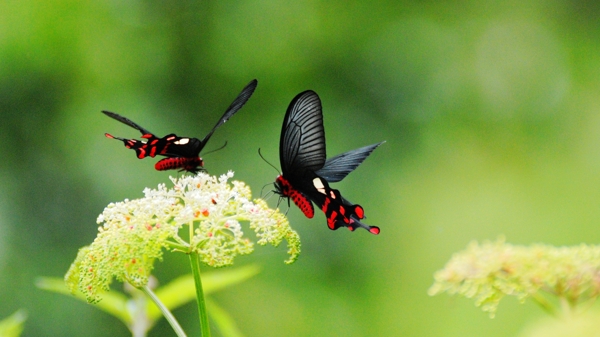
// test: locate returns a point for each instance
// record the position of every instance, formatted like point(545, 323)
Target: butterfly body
point(182, 153)
point(284, 188)
point(306, 173)
point(189, 164)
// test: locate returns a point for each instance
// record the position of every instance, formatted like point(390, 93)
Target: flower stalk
point(165, 311)
point(204, 324)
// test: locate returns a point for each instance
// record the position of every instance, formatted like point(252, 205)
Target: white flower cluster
point(134, 232)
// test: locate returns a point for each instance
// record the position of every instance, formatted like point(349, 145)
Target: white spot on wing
point(319, 185)
point(182, 141)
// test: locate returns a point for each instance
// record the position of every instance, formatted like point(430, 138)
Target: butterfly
point(306, 173)
point(182, 153)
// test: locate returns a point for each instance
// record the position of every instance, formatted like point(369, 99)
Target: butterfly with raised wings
point(306, 173)
point(182, 153)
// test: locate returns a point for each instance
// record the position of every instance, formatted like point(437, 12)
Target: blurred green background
point(490, 109)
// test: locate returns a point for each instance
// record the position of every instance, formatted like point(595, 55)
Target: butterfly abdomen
point(302, 203)
point(190, 164)
point(286, 190)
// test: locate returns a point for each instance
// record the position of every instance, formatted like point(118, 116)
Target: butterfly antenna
point(215, 150)
point(266, 161)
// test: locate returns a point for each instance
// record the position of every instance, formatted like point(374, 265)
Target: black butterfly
point(182, 152)
point(306, 174)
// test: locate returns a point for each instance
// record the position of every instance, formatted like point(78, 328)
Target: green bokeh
point(491, 112)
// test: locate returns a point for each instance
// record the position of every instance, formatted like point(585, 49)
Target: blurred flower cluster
point(487, 272)
point(134, 232)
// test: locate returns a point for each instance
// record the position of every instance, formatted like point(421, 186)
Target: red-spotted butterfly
point(306, 173)
point(182, 152)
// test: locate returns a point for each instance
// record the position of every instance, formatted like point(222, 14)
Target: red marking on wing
point(331, 220)
point(340, 213)
point(325, 205)
point(359, 211)
point(141, 152)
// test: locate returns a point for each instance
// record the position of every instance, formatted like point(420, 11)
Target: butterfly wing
point(338, 211)
point(235, 106)
point(338, 167)
point(150, 148)
point(181, 147)
point(301, 149)
point(185, 152)
point(191, 147)
point(128, 122)
point(302, 142)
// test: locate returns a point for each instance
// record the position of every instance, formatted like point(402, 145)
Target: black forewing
point(127, 121)
point(237, 104)
point(302, 142)
point(338, 167)
point(173, 146)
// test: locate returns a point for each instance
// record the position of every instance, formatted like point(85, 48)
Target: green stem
point(168, 315)
point(178, 246)
point(204, 327)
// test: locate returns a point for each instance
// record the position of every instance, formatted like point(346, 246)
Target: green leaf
point(12, 326)
point(224, 322)
point(173, 295)
point(113, 303)
point(181, 290)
